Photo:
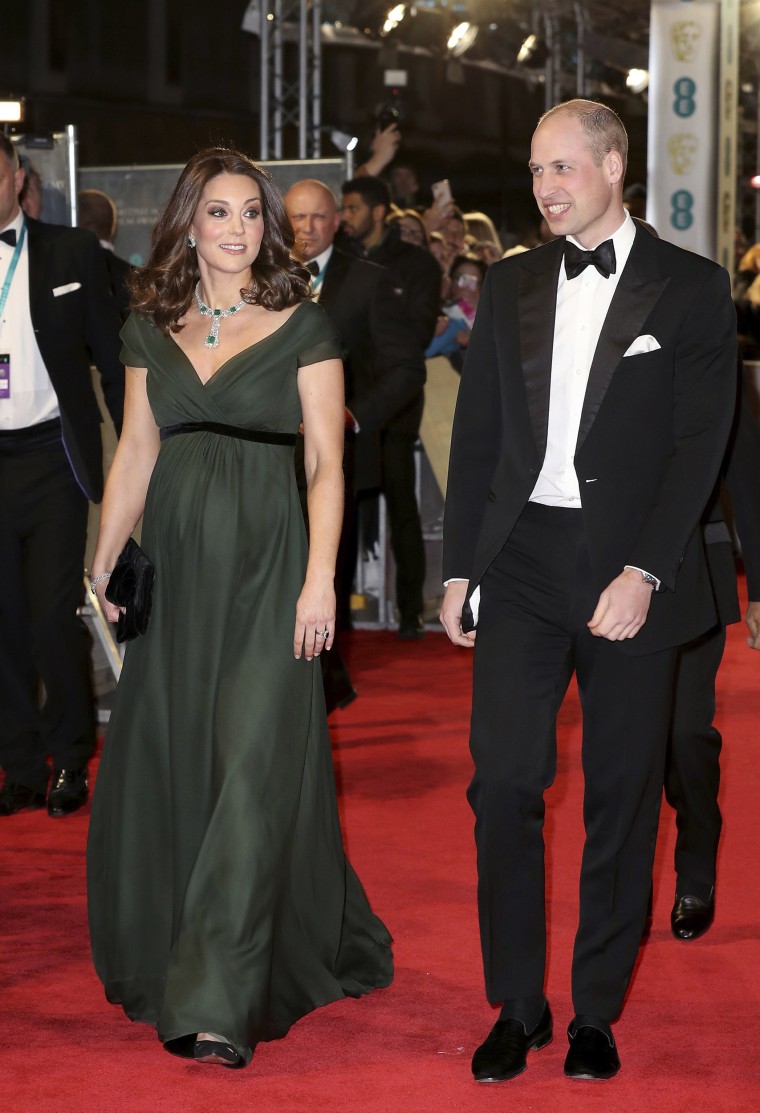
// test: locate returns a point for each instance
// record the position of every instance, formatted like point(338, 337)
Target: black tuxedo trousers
point(43, 530)
point(692, 774)
point(537, 597)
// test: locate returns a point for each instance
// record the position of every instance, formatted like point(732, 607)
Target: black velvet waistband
point(45, 435)
point(263, 436)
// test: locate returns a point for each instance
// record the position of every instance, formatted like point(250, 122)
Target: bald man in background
point(384, 367)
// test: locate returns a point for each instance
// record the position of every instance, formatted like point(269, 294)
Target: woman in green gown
point(221, 904)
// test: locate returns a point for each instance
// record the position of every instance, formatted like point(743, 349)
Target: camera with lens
point(390, 112)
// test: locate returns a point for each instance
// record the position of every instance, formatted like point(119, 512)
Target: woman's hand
point(109, 610)
point(315, 620)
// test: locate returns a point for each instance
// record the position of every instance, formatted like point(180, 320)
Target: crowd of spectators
point(464, 243)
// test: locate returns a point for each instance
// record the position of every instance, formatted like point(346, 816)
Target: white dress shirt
point(582, 305)
point(317, 279)
point(32, 398)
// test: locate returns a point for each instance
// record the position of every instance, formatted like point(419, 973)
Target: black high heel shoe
point(223, 1054)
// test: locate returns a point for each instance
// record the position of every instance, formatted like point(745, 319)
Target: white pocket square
point(642, 344)
point(69, 288)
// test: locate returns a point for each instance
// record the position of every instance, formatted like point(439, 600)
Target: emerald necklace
point(216, 315)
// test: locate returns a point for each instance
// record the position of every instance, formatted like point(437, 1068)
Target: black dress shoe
point(69, 790)
point(505, 1052)
point(411, 629)
point(691, 917)
point(592, 1053)
point(16, 798)
point(343, 699)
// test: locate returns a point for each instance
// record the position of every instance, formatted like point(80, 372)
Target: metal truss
point(290, 93)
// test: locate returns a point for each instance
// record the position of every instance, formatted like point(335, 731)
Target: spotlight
point(461, 39)
point(12, 111)
point(393, 18)
point(533, 52)
point(342, 140)
point(637, 80)
point(252, 18)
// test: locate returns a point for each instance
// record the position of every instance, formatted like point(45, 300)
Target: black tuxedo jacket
point(652, 435)
point(119, 271)
point(384, 366)
point(71, 326)
point(740, 478)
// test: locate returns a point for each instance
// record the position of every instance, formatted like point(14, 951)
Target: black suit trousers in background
point(693, 768)
point(536, 599)
point(399, 488)
point(43, 530)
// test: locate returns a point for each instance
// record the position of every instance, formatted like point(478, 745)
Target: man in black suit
point(97, 213)
point(417, 279)
point(692, 771)
point(57, 307)
point(384, 368)
point(592, 419)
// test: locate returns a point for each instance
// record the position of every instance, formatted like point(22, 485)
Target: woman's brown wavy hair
point(163, 289)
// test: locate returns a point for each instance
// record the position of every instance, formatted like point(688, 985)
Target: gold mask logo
point(682, 150)
point(685, 37)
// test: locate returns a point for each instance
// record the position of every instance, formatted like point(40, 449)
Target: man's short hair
point(96, 212)
point(374, 191)
point(10, 152)
point(604, 129)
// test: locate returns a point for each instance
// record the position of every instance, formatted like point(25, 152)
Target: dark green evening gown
point(220, 898)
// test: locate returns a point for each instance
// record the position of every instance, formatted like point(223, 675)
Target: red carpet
point(689, 1036)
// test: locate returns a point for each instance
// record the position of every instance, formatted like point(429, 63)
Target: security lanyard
point(11, 271)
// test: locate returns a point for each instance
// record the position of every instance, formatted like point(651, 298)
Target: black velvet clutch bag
point(131, 586)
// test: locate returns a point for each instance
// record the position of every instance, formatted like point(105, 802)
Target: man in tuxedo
point(592, 419)
point(97, 212)
point(56, 309)
point(692, 771)
point(417, 278)
point(384, 368)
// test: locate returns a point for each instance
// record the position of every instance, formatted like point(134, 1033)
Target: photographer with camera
point(385, 143)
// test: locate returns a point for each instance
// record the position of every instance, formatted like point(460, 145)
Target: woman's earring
point(191, 240)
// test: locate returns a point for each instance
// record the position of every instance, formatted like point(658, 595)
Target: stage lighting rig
point(462, 38)
point(393, 18)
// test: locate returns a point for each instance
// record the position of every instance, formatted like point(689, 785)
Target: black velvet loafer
point(691, 917)
point(592, 1053)
point(504, 1054)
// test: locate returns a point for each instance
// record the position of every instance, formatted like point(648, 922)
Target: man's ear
point(379, 214)
point(615, 167)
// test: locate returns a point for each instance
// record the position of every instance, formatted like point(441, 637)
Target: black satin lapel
point(335, 273)
point(537, 310)
point(39, 273)
point(631, 304)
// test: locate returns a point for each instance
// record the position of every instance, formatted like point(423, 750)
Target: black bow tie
point(602, 257)
point(313, 267)
point(9, 237)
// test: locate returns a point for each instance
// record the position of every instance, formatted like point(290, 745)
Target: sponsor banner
point(683, 122)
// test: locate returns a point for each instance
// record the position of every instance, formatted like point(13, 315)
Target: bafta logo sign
point(682, 149)
point(685, 36)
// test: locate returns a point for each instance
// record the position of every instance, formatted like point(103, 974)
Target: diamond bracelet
point(94, 583)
